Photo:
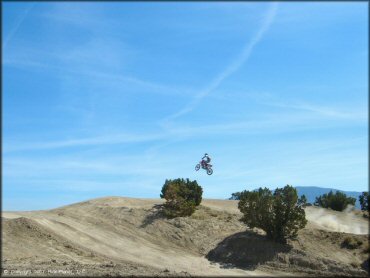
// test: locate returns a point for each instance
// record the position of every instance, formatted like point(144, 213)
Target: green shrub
point(182, 196)
point(278, 213)
point(338, 201)
point(235, 196)
point(302, 201)
point(364, 201)
point(351, 243)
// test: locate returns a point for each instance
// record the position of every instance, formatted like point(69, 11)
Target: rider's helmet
point(206, 154)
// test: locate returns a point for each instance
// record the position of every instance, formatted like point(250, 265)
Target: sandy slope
point(127, 236)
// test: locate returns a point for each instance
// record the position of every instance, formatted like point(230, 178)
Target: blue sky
point(103, 99)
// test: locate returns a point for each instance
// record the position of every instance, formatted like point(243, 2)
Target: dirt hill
point(126, 236)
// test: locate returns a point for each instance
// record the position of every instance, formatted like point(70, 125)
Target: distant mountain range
point(311, 192)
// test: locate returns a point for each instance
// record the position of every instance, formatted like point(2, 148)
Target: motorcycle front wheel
point(209, 171)
point(197, 167)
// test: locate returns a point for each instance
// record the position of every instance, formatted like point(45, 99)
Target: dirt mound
point(114, 235)
point(249, 250)
point(19, 233)
point(30, 248)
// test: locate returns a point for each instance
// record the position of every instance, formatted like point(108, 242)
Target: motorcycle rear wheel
point(209, 171)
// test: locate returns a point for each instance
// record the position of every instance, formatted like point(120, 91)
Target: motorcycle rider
point(205, 160)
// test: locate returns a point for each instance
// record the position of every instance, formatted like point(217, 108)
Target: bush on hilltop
point(278, 213)
point(338, 201)
point(182, 196)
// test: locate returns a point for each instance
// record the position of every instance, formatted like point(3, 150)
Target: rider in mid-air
point(205, 160)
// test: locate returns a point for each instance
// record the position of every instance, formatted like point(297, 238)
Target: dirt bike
point(205, 166)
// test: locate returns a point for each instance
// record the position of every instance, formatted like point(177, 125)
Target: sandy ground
point(127, 236)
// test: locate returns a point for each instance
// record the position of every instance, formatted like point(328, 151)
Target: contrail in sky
point(17, 24)
point(234, 66)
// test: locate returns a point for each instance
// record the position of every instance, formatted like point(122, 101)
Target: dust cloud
point(344, 222)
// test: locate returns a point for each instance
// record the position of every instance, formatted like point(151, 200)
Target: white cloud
point(21, 18)
point(316, 118)
point(89, 141)
point(231, 68)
